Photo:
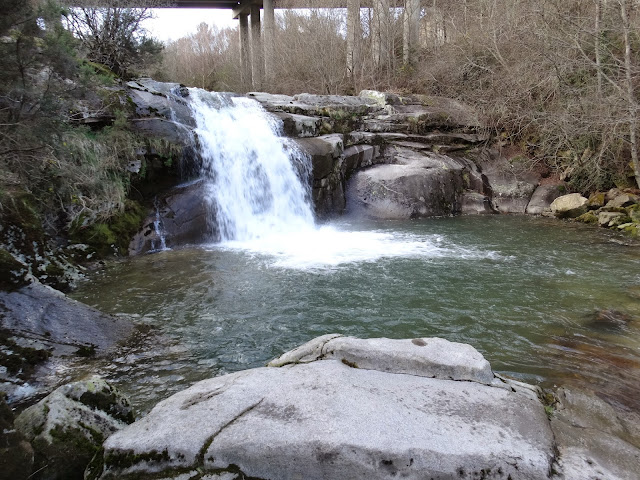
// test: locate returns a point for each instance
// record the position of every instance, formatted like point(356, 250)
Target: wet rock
point(569, 206)
point(47, 325)
point(595, 441)
point(542, 198)
point(416, 185)
point(181, 218)
point(474, 203)
point(68, 427)
point(326, 154)
point(610, 319)
point(16, 453)
point(332, 419)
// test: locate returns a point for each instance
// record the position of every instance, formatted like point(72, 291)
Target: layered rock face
point(376, 154)
point(344, 408)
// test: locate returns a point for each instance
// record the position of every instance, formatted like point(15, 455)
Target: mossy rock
point(18, 360)
point(67, 428)
point(633, 230)
point(112, 236)
point(596, 201)
point(588, 217)
point(634, 213)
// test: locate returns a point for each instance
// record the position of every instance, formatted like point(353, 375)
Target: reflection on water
point(523, 291)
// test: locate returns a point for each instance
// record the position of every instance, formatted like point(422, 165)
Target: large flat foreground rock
point(330, 420)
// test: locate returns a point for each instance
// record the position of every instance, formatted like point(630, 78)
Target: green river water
point(524, 291)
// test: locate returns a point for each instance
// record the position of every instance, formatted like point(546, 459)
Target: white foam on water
point(327, 248)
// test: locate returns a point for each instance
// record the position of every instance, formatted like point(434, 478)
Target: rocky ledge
point(344, 408)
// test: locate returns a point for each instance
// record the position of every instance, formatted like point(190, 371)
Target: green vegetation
point(65, 145)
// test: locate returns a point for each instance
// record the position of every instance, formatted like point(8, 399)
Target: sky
point(173, 23)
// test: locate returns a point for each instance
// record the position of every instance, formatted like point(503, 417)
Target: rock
point(621, 201)
point(610, 219)
point(328, 177)
point(594, 440)
point(159, 99)
point(16, 453)
point(608, 319)
point(611, 194)
point(381, 98)
point(68, 427)
point(162, 128)
point(181, 218)
point(474, 203)
point(569, 206)
point(423, 357)
point(416, 185)
point(330, 420)
point(359, 156)
point(299, 126)
point(596, 201)
point(634, 213)
point(589, 217)
point(43, 322)
point(542, 198)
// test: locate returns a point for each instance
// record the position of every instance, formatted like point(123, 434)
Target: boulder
point(542, 198)
point(417, 185)
point(181, 217)
point(68, 427)
point(569, 206)
point(596, 201)
point(159, 99)
point(332, 419)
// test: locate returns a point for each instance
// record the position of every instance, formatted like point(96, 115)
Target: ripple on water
point(520, 290)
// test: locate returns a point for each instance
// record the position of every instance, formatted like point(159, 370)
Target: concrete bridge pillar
point(411, 31)
point(269, 43)
point(257, 57)
point(354, 34)
point(381, 33)
point(245, 52)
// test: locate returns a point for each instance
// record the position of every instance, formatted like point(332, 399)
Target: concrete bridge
point(257, 41)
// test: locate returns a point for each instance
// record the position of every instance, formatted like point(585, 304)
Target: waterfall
point(160, 233)
point(256, 182)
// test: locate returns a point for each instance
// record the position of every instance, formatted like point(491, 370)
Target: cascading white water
point(255, 179)
point(258, 192)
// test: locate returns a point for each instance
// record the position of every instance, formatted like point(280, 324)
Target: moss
point(128, 458)
point(114, 234)
point(107, 400)
point(588, 217)
point(634, 213)
point(86, 351)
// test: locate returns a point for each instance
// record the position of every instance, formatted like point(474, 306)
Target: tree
point(114, 37)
